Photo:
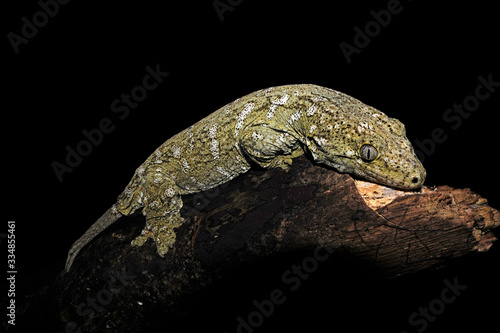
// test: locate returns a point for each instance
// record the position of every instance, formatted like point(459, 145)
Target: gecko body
point(269, 128)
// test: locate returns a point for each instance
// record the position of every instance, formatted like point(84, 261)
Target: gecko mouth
point(362, 172)
point(376, 178)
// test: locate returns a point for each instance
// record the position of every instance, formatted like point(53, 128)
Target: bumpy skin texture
point(268, 127)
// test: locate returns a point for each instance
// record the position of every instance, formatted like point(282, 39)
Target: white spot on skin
point(212, 132)
point(296, 116)
point(185, 166)
point(214, 149)
point(191, 137)
point(128, 191)
point(223, 171)
point(311, 110)
point(140, 171)
point(282, 100)
point(169, 192)
point(256, 136)
point(364, 126)
point(322, 141)
point(313, 127)
point(176, 150)
point(241, 117)
point(154, 204)
point(214, 144)
point(272, 109)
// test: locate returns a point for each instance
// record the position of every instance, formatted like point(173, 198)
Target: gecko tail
point(107, 219)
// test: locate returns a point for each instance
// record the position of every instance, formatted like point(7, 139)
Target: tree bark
point(259, 218)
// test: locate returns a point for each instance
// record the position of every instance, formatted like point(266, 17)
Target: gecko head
point(365, 142)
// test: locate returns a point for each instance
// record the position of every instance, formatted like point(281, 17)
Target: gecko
point(266, 128)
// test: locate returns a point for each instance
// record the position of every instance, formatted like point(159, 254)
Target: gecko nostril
point(414, 180)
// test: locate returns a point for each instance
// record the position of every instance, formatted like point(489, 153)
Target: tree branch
point(263, 215)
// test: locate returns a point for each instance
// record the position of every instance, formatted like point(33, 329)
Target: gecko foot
point(161, 231)
point(285, 161)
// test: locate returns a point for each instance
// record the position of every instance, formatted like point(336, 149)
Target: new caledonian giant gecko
point(268, 128)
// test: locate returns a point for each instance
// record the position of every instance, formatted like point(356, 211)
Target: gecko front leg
point(269, 147)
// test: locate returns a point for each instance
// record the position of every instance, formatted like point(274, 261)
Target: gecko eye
point(368, 152)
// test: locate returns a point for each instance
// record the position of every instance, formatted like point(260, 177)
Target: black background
point(66, 77)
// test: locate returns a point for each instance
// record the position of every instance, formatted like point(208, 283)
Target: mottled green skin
point(268, 127)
